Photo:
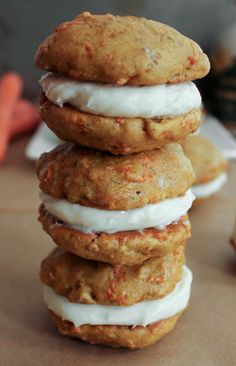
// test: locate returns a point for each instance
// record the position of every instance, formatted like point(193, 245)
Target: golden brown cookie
point(117, 335)
point(97, 179)
point(121, 50)
point(115, 134)
point(207, 160)
point(92, 282)
point(124, 248)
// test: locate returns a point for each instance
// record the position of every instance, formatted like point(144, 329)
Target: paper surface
point(205, 334)
point(42, 141)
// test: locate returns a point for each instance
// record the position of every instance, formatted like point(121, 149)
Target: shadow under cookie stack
point(115, 196)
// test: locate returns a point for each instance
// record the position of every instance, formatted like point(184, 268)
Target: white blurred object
point(215, 132)
point(42, 141)
point(45, 140)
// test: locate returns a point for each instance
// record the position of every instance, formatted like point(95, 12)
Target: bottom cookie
point(117, 335)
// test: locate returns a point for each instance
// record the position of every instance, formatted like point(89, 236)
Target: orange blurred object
point(11, 85)
point(25, 118)
point(16, 115)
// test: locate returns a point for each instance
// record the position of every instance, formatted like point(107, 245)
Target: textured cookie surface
point(207, 160)
point(117, 335)
point(127, 247)
point(92, 282)
point(121, 50)
point(117, 135)
point(96, 179)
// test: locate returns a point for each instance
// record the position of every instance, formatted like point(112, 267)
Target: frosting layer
point(207, 189)
point(143, 313)
point(88, 219)
point(122, 101)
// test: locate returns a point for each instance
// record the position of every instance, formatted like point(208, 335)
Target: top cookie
point(121, 50)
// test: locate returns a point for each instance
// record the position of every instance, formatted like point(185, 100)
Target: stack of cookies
point(115, 196)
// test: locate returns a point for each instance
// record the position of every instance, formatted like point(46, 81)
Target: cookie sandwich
point(119, 306)
point(209, 166)
point(116, 209)
point(120, 84)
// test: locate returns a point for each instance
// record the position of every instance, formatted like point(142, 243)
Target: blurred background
point(209, 333)
point(25, 23)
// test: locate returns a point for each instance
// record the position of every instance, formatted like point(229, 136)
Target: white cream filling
point(87, 219)
point(207, 189)
point(142, 313)
point(122, 101)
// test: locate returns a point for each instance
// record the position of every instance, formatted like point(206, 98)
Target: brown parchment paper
point(206, 333)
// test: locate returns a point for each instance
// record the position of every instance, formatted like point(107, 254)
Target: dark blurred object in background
point(25, 23)
point(224, 78)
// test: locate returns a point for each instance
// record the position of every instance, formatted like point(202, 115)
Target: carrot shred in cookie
point(122, 300)
point(118, 273)
point(111, 290)
point(155, 325)
point(120, 120)
point(122, 81)
point(191, 60)
point(48, 173)
point(88, 49)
